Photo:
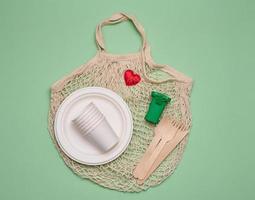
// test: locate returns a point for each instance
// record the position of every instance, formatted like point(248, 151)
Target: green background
point(211, 41)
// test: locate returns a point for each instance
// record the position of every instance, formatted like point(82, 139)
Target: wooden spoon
point(157, 137)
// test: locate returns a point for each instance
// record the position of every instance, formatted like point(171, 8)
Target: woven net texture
point(107, 71)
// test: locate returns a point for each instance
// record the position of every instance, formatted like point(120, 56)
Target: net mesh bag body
point(106, 70)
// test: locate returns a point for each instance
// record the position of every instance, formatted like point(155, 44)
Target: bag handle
point(145, 50)
point(115, 19)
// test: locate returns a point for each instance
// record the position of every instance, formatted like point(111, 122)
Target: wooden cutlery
point(168, 134)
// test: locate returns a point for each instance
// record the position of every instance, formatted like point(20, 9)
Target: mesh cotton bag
point(107, 70)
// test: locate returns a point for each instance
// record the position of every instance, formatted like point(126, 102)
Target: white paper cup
point(94, 126)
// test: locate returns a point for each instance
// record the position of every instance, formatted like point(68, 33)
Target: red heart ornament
point(131, 78)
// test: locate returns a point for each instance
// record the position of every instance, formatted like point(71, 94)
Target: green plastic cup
point(156, 107)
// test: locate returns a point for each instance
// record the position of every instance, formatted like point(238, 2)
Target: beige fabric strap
point(115, 19)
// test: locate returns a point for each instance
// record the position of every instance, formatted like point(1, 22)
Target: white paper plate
point(74, 144)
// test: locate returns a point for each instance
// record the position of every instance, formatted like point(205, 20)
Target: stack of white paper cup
point(92, 124)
